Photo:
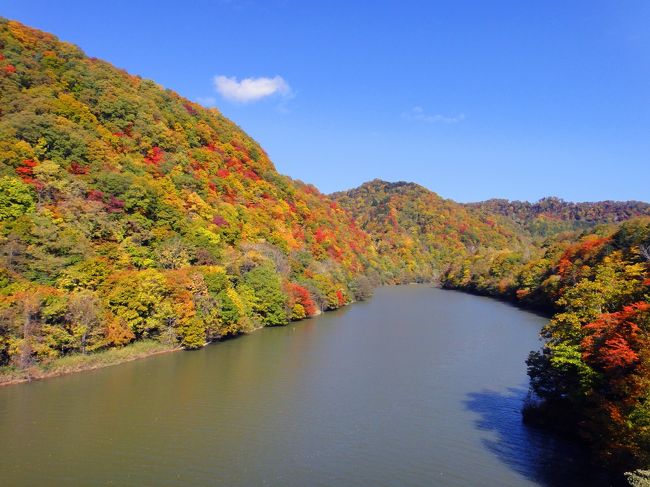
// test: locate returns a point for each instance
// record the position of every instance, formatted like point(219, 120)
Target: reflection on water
point(543, 458)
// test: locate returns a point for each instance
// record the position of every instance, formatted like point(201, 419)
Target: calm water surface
point(417, 387)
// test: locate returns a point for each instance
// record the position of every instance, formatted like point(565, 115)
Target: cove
point(416, 387)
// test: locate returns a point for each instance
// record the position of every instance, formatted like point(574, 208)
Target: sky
point(472, 99)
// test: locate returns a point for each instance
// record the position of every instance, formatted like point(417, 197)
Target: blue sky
point(471, 99)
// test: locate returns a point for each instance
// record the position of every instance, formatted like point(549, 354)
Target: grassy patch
point(79, 362)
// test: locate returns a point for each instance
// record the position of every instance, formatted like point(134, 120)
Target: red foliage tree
point(190, 109)
point(154, 156)
point(320, 235)
point(76, 168)
point(613, 341)
point(250, 174)
point(233, 162)
point(617, 346)
point(26, 168)
point(219, 221)
point(300, 295)
point(95, 195)
point(340, 297)
point(26, 172)
point(115, 205)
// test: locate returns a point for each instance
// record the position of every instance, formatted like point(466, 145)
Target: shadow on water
point(533, 453)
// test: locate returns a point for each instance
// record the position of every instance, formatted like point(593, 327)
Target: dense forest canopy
point(129, 213)
point(417, 233)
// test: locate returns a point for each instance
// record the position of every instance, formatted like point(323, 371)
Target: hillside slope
point(418, 234)
point(128, 212)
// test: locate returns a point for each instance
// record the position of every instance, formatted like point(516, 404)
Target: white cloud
point(418, 114)
point(251, 89)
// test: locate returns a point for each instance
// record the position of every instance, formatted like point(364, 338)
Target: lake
point(416, 387)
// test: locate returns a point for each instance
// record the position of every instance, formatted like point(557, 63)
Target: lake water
point(416, 387)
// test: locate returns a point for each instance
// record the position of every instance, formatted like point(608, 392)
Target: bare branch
point(645, 251)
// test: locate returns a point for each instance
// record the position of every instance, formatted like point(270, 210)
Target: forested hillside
point(128, 212)
point(418, 234)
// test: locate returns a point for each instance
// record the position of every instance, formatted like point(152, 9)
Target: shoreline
point(78, 363)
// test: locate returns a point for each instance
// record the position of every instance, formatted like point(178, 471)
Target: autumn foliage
point(613, 342)
point(591, 377)
point(301, 302)
point(128, 213)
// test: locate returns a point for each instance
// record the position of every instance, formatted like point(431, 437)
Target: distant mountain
point(553, 215)
point(417, 233)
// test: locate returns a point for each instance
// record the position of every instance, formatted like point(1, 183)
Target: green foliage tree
point(193, 334)
point(16, 198)
point(270, 300)
point(140, 301)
